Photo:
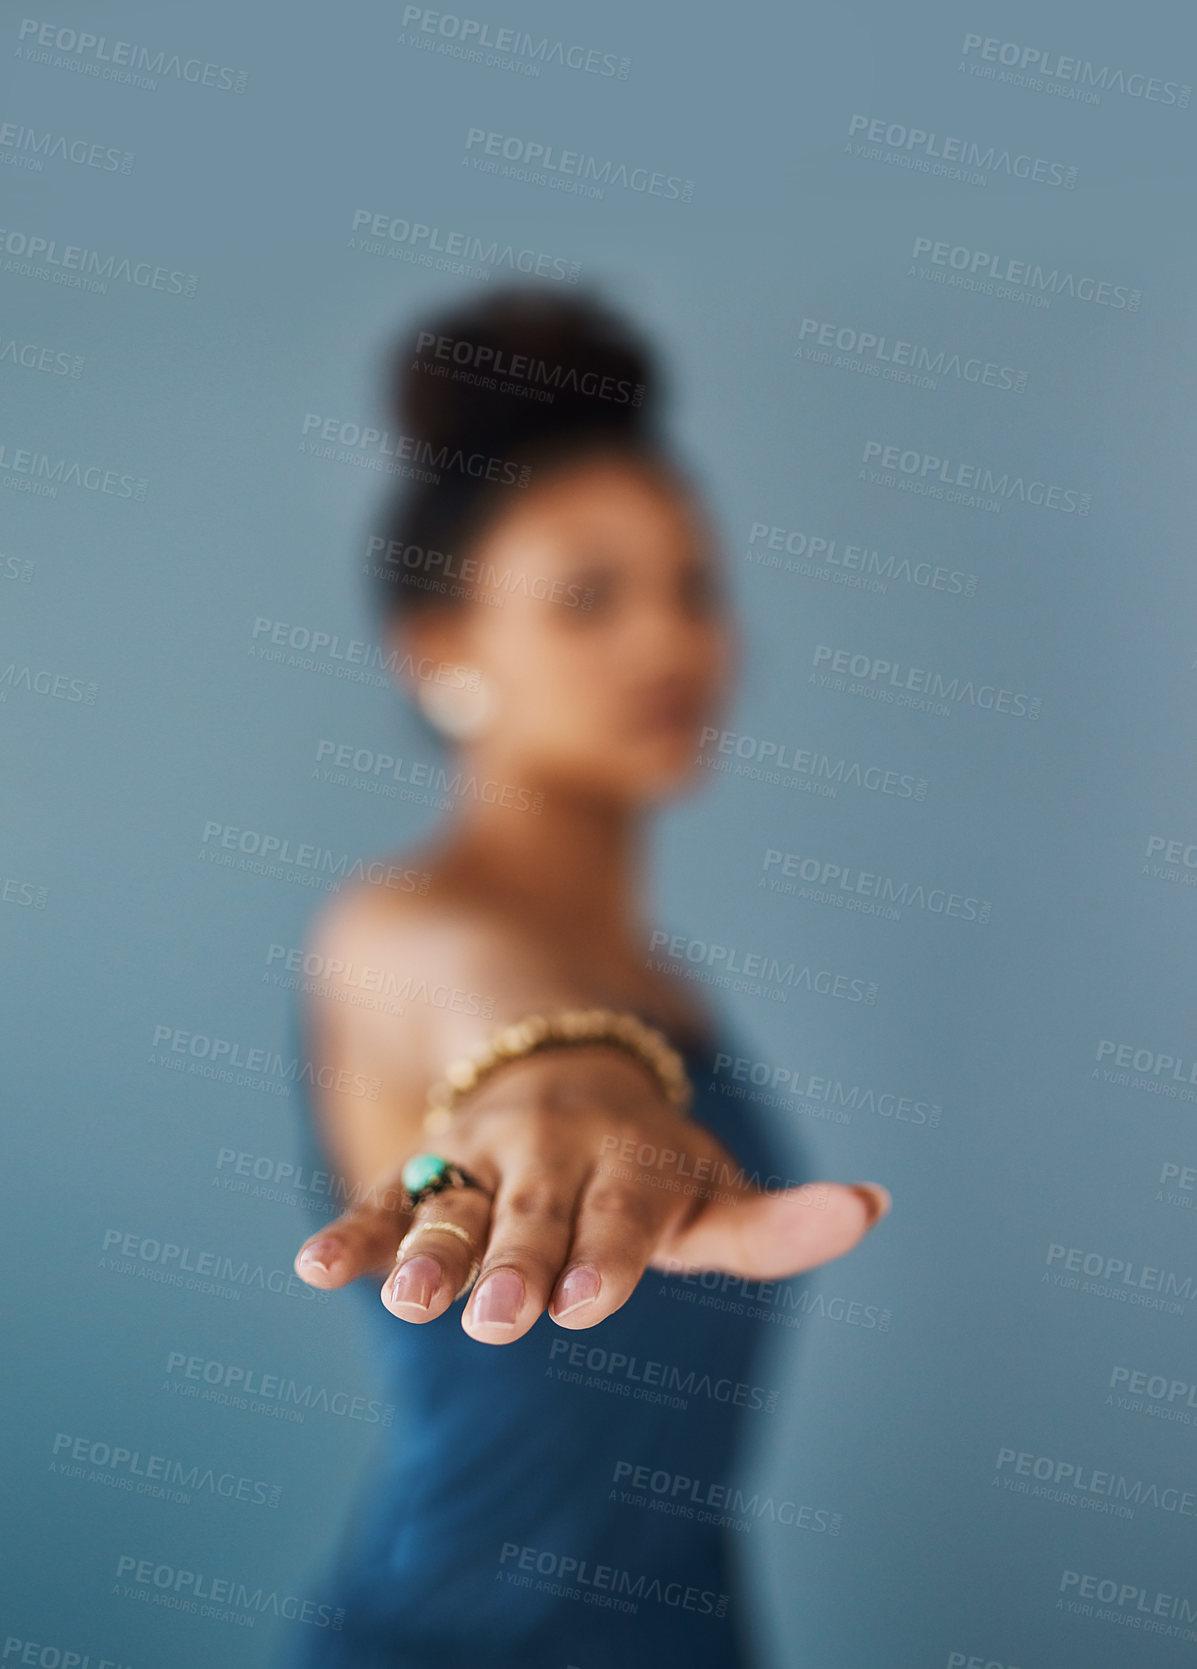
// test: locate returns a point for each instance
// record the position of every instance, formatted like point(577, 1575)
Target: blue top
point(562, 1501)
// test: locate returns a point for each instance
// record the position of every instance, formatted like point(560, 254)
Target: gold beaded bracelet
point(548, 1031)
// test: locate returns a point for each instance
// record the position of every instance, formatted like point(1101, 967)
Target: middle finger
point(531, 1227)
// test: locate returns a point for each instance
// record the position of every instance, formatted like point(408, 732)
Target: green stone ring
point(426, 1174)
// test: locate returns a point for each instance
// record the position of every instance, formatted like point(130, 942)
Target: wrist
point(563, 1032)
point(567, 1082)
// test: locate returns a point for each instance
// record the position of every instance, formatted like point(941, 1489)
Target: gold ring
point(475, 1266)
point(447, 1228)
point(444, 1228)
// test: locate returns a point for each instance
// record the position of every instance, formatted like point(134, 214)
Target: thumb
point(770, 1236)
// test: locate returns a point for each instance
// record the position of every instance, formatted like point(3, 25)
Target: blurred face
point(608, 647)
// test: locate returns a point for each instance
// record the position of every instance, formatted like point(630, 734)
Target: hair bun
point(523, 365)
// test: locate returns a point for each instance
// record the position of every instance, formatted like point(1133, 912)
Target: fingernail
point(877, 1198)
point(497, 1299)
point(579, 1287)
point(321, 1254)
point(415, 1281)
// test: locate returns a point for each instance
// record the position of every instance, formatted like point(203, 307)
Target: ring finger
point(619, 1224)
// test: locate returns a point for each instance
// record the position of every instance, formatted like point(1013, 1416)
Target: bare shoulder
point(397, 984)
point(411, 980)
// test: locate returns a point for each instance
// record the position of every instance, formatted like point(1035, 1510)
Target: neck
point(574, 864)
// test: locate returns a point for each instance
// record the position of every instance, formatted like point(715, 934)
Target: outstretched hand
point(591, 1178)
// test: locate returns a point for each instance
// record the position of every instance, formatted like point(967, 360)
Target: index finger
point(361, 1241)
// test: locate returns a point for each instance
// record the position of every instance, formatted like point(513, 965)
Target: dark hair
point(491, 397)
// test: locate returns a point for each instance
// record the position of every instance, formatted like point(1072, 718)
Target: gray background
point(113, 925)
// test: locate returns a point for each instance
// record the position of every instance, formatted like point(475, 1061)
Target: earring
point(459, 713)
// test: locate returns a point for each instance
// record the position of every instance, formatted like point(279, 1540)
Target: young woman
point(519, 1518)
